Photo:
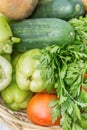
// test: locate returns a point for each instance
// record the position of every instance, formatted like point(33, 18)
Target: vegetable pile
point(45, 71)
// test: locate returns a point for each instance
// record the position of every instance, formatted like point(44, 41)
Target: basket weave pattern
point(19, 120)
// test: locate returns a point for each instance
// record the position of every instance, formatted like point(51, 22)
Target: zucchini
point(63, 9)
point(39, 33)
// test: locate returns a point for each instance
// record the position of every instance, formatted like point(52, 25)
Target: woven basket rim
point(19, 120)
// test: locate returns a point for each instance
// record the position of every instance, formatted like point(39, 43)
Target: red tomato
point(85, 4)
point(39, 112)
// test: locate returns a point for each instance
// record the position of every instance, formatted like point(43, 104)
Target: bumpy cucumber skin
point(39, 33)
point(64, 9)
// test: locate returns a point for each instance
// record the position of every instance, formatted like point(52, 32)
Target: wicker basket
point(19, 120)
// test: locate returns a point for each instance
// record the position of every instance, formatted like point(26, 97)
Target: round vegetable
point(38, 110)
point(63, 9)
point(17, 9)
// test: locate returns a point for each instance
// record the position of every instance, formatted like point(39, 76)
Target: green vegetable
point(39, 33)
point(5, 72)
point(15, 58)
point(76, 127)
point(83, 98)
point(63, 9)
point(6, 37)
point(27, 76)
point(73, 78)
point(84, 115)
point(6, 18)
point(7, 56)
point(80, 27)
point(83, 123)
point(62, 69)
point(15, 98)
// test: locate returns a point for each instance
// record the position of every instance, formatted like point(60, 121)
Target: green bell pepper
point(5, 72)
point(6, 18)
point(15, 98)
point(7, 56)
point(15, 58)
point(27, 76)
point(6, 37)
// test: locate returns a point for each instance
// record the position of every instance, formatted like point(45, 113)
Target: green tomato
point(5, 73)
point(27, 76)
point(15, 98)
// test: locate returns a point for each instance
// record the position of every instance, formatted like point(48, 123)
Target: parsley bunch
point(62, 68)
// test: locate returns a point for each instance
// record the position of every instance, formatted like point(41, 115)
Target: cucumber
point(63, 9)
point(39, 33)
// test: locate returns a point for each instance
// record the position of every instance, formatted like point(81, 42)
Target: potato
point(17, 9)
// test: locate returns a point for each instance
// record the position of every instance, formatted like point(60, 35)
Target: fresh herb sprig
point(62, 69)
point(80, 27)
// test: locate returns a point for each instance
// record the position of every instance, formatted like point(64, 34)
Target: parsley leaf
point(80, 26)
point(66, 122)
point(76, 127)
